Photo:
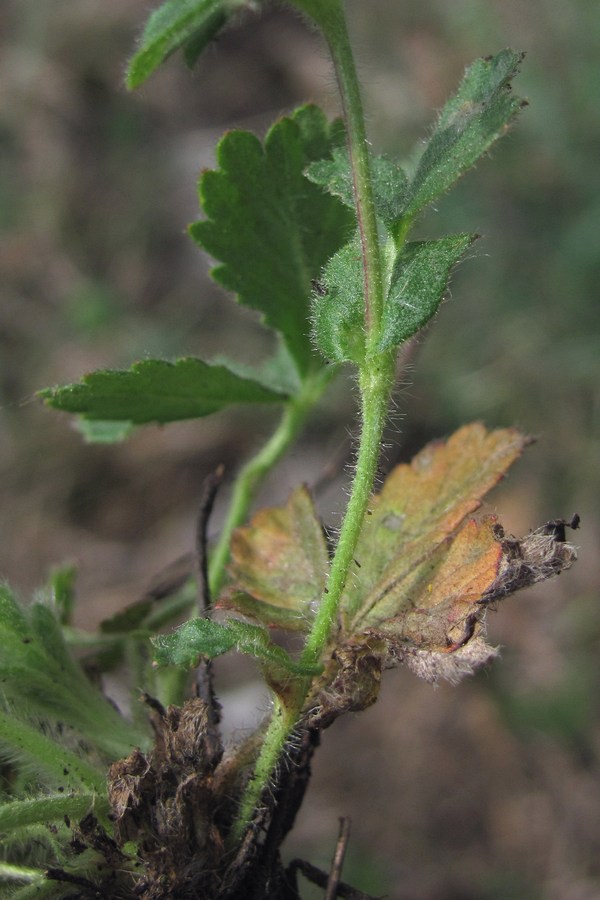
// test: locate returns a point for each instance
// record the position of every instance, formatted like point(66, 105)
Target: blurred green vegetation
point(488, 791)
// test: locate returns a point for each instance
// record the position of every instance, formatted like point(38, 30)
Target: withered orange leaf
point(279, 564)
point(428, 570)
point(421, 506)
point(438, 598)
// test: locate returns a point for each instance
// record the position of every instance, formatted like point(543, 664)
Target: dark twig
point(335, 873)
point(321, 879)
point(56, 874)
point(210, 486)
point(204, 673)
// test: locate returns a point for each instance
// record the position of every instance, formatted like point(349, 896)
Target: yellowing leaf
point(428, 571)
point(279, 564)
point(440, 597)
point(422, 504)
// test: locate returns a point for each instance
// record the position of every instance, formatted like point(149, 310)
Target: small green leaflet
point(419, 281)
point(204, 637)
point(469, 123)
point(338, 315)
point(157, 391)
point(272, 229)
point(190, 24)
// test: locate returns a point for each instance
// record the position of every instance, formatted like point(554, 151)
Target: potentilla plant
point(311, 230)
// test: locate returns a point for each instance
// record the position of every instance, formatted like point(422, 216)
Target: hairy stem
point(375, 388)
point(48, 759)
point(375, 380)
point(10, 872)
point(360, 165)
point(281, 724)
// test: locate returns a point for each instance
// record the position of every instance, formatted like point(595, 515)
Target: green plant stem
point(375, 389)
point(280, 726)
point(375, 381)
point(360, 165)
point(255, 471)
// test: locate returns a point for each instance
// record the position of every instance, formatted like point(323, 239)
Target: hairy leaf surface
point(468, 125)
point(338, 311)
point(158, 391)
point(205, 637)
point(272, 229)
point(39, 676)
point(419, 281)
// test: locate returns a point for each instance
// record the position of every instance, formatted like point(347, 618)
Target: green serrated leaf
point(158, 391)
point(190, 24)
point(388, 179)
point(205, 637)
point(469, 123)
point(418, 283)
point(338, 309)
point(271, 228)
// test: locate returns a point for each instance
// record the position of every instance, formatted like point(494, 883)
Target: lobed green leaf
point(271, 228)
point(158, 391)
point(418, 283)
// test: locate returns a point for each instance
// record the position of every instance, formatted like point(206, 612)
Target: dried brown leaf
point(421, 505)
point(279, 565)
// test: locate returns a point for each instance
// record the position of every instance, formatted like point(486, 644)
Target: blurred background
point(491, 790)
